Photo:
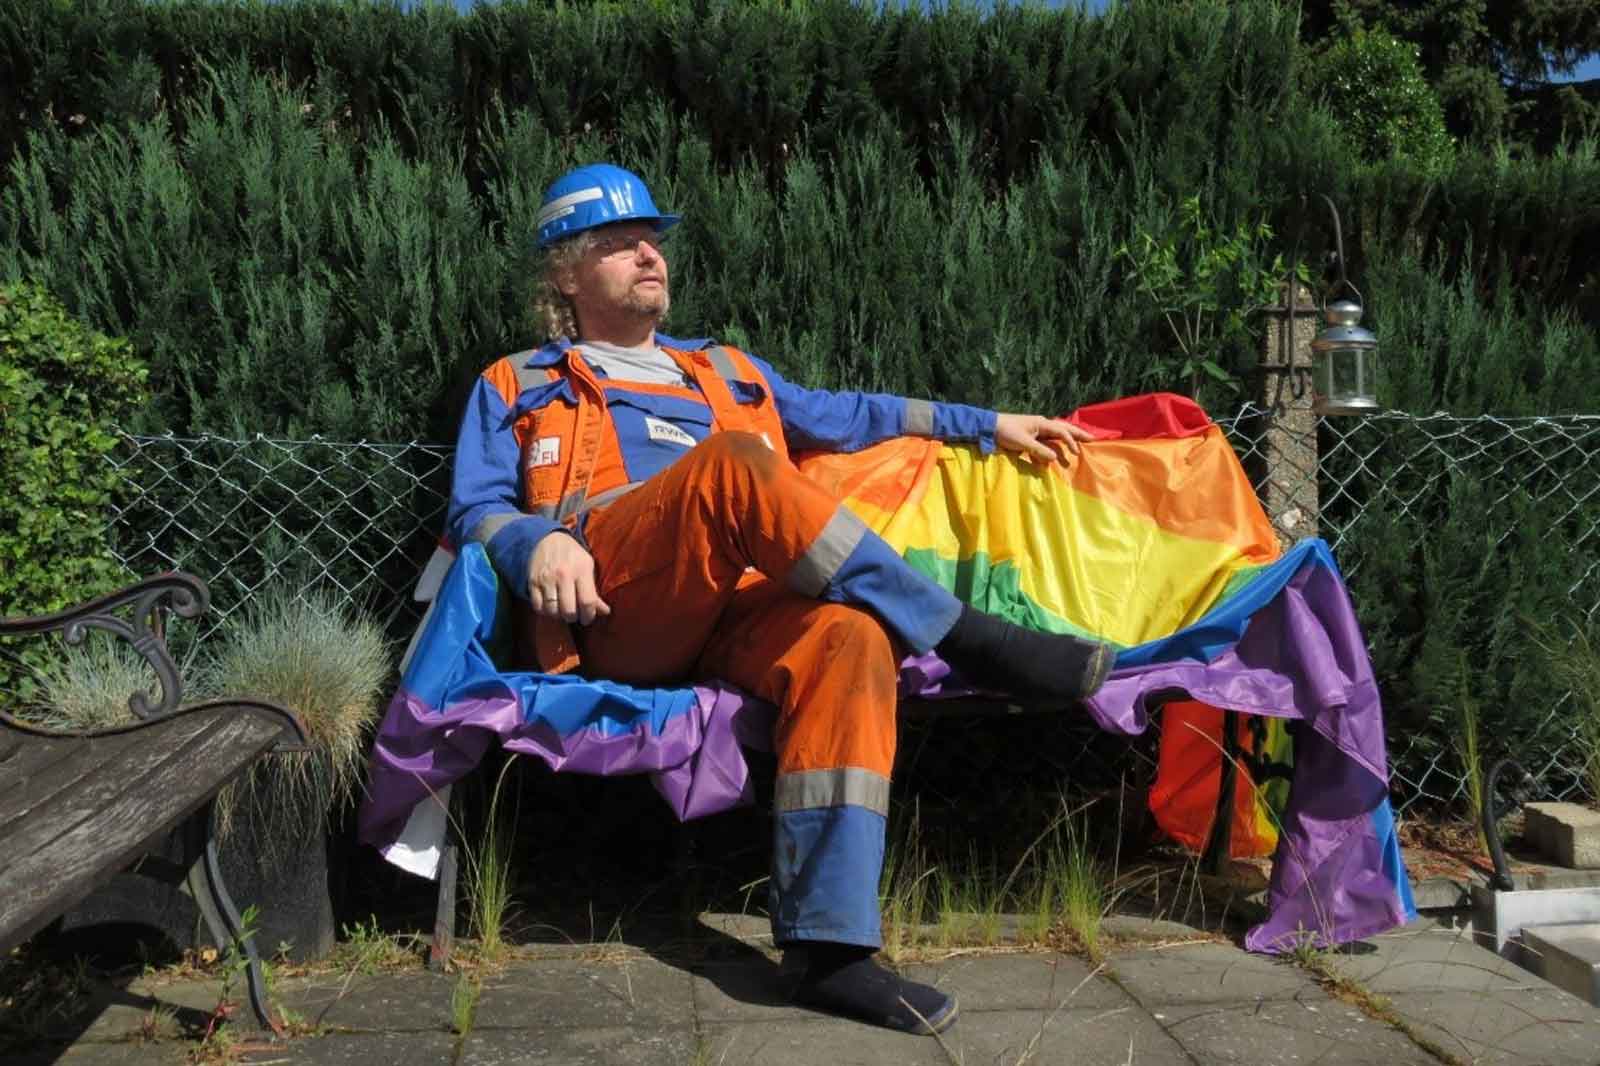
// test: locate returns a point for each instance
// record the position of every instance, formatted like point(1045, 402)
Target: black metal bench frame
point(914, 709)
point(1213, 860)
point(63, 810)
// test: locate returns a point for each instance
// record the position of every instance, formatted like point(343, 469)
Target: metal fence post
point(1289, 425)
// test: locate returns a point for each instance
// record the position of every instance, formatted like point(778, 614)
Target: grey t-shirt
point(647, 364)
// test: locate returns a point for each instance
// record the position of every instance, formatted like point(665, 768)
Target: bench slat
point(111, 820)
point(58, 764)
point(23, 755)
point(140, 764)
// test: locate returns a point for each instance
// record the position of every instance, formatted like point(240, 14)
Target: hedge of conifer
point(317, 216)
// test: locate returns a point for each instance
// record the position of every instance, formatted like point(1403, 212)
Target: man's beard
point(653, 306)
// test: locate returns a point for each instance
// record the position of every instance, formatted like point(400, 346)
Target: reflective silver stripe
point(485, 530)
point(562, 206)
point(571, 505)
point(528, 377)
point(827, 553)
point(578, 502)
point(611, 494)
point(832, 788)
point(722, 363)
point(919, 418)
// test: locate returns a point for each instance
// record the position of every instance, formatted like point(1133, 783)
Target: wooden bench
point(77, 808)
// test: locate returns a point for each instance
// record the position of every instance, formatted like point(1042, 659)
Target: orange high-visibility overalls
point(730, 564)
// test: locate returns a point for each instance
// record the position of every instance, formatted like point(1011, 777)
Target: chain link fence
point(1483, 493)
point(244, 515)
point(362, 518)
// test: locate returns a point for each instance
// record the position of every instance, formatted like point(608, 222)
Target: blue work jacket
point(488, 472)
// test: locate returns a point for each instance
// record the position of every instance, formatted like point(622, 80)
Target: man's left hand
point(1048, 440)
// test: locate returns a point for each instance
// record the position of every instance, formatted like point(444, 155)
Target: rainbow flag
point(1152, 539)
point(1150, 530)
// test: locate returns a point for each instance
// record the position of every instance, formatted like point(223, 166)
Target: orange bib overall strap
point(572, 460)
point(712, 369)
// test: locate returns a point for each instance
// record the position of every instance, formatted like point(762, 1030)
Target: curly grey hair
point(553, 309)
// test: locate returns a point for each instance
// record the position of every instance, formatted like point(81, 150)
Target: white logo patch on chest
point(668, 432)
point(546, 452)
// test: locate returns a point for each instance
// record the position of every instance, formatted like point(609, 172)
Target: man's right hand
point(561, 581)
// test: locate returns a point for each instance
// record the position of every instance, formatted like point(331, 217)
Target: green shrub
point(65, 390)
point(1572, 651)
point(1452, 576)
point(1207, 283)
point(1446, 344)
point(1373, 85)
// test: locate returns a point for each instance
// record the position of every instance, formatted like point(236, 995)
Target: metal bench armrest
point(183, 594)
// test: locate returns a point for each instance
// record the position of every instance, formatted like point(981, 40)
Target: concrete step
point(1567, 955)
point(1569, 833)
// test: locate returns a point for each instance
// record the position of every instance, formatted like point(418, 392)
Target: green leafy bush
point(316, 217)
point(64, 391)
point(1572, 650)
point(1374, 87)
point(1208, 283)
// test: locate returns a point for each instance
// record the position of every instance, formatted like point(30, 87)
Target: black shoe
point(845, 980)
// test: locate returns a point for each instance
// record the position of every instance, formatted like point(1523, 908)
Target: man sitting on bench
point(636, 492)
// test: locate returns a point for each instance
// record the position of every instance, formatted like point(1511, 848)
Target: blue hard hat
point(596, 195)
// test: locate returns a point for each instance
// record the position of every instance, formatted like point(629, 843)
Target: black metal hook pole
point(1526, 785)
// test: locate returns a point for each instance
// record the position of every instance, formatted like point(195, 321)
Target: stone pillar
point(1289, 427)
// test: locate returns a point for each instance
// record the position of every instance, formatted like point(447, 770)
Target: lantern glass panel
point(1344, 380)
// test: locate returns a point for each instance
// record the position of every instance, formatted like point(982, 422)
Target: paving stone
point(1569, 833)
point(599, 1046)
point(1426, 957)
point(126, 1053)
point(561, 993)
point(357, 1049)
point(1206, 973)
point(1202, 1002)
point(1567, 955)
point(1032, 981)
point(743, 992)
point(190, 994)
point(1270, 1032)
point(1506, 1027)
point(112, 1013)
point(1135, 927)
point(1113, 1037)
point(378, 1002)
point(1441, 894)
point(750, 929)
point(818, 1040)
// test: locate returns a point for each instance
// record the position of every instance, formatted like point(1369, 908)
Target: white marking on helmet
point(562, 206)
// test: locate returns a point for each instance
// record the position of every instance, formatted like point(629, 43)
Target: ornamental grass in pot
point(304, 649)
point(330, 665)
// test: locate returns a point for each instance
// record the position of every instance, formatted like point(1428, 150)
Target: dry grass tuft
point(311, 653)
point(88, 687)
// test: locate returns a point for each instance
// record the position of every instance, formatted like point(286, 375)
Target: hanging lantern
point(1344, 369)
point(1344, 378)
